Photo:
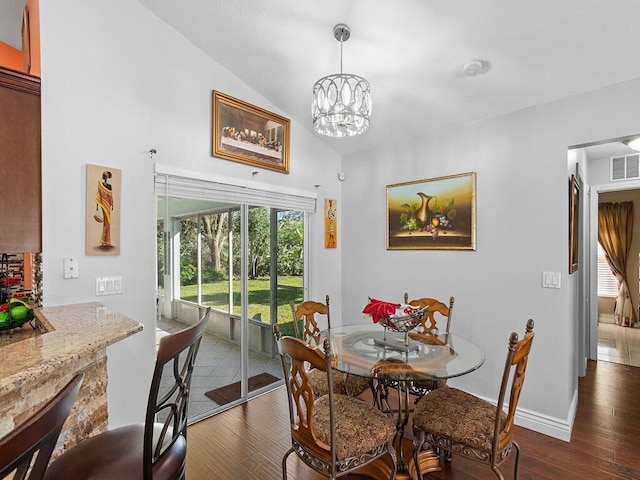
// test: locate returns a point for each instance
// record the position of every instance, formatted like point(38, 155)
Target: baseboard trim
point(606, 318)
point(552, 426)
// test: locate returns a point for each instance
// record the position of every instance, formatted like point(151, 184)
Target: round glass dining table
point(370, 350)
point(399, 361)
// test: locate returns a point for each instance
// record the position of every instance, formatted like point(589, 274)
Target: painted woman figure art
point(102, 235)
point(104, 204)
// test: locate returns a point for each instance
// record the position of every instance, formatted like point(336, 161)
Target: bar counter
point(72, 338)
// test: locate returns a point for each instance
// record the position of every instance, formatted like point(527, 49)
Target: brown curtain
point(615, 229)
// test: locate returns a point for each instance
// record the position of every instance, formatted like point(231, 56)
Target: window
point(607, 283)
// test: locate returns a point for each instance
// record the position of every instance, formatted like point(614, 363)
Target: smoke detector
point(475, 67)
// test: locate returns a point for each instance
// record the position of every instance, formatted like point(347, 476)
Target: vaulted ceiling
point(411, 51)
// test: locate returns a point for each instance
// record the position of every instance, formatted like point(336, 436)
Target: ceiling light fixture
point(633, 143)
point(475, 67)
point(341, 104)
point(472, 68)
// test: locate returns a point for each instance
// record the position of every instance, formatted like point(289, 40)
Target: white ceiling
point(411, 51)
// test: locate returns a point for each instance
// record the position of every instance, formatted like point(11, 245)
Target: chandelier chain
point(341, 42)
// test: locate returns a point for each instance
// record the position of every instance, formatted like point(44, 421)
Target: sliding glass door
point(244, 261)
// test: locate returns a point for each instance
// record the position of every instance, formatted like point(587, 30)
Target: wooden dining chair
point(436, 322)
point(453, 421)
point(306, 313)
point(26, 450)
point(157, 448)
point(431, 323)
point(333, 434)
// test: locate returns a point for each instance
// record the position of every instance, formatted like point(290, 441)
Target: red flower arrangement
point(394, 316)
point(378, 309)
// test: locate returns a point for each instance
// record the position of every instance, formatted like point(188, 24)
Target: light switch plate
point(101, 287)
point(551, 279)
point(109, 286)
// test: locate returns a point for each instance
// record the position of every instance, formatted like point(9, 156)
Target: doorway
point(244, 261)
point(619, 344)
point(607, 341)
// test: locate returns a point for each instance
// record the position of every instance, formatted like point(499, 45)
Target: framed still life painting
point(102, 235)
point(432, 214)
point(249, 134)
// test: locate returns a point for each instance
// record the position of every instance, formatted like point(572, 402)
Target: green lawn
point(216, 295)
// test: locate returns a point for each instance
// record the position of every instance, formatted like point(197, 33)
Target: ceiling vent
point(625, 167)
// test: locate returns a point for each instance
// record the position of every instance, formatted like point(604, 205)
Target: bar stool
point(37, 436)
point(157, 448)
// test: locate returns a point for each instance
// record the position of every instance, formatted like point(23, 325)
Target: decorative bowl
point(394, 316)
point(405, 319)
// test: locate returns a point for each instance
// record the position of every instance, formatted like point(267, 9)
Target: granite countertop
point(74, 331)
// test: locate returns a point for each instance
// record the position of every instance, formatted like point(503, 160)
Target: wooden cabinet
point(20, 163)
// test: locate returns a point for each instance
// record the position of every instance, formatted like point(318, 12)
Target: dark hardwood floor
point(248, 441)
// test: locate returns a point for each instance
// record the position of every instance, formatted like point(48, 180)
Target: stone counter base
point(89, 414)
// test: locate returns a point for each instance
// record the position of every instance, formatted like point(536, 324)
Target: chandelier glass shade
point(341, 105)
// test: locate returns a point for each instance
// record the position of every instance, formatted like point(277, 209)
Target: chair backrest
point(429, 321)
point(307, 311)
point(167, 407)
point(514, 370)
point(37, 436)
point(296, 356)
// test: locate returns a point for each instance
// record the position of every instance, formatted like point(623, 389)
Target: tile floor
point(619, 344)
point(217, 364)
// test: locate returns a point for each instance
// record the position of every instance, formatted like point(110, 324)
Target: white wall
point(522, 225)
point(116, 82)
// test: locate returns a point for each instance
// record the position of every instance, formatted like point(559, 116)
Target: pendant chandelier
point(341, 104)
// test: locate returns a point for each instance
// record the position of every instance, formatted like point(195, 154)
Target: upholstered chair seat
point(352, 385)
point(121, 452)
point(360, 428)
point(462, 418)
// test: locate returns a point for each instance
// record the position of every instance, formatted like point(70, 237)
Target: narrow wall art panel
point(103, 210)
point(330, 223)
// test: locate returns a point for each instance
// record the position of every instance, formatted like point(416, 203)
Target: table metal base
point(380, 469)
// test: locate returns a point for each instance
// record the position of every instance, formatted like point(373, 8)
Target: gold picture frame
point(432, 214)
point(574, 223)
point(102, 233)
point(248, 134)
